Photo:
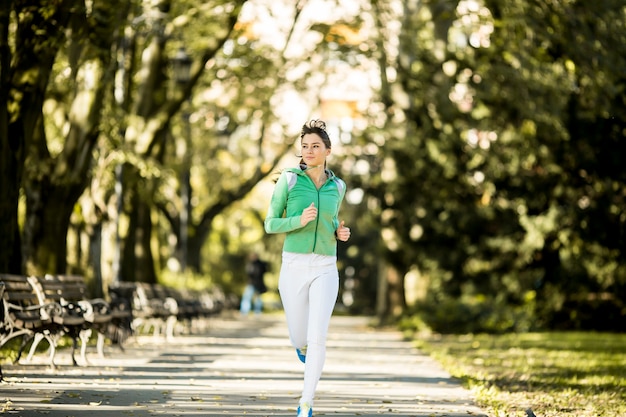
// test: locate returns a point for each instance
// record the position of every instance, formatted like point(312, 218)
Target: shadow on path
point(240, 367)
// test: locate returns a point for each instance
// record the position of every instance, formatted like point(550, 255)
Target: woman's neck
point(317, 173)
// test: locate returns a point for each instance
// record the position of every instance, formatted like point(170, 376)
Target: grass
point(9, 351)
point(556, 374)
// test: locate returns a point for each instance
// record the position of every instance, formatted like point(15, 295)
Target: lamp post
point(182, 73)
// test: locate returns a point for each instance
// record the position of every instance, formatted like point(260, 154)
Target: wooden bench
point(25, 316)
point(71, 292)
point(158, 308)
point(78, 314)
point(152, 311)
point(193, 306)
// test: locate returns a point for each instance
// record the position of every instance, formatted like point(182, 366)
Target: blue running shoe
point(305, 410)
point(301, 354)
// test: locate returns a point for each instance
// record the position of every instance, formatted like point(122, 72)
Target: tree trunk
point(45, 233)
point(10, 174)
point(397, 299)
point(95, 258)
point(53, 183)
point(137, 262)
point(39, 31)
point(194, 252)
point(11, 169)
point(382, 299)
point(391, 300)
point(11, 161)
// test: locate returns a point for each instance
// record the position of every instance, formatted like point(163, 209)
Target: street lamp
point(181, 66)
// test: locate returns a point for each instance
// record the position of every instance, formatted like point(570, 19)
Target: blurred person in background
point(251, 297)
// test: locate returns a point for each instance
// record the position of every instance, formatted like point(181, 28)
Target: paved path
point(241, 367)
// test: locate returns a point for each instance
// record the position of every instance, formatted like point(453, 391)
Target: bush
point(476, 314)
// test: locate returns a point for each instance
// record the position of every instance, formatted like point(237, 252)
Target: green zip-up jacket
point(295, 191)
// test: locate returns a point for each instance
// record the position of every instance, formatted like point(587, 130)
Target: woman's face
point(314, 151)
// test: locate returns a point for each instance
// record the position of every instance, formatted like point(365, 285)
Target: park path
point(240, 367)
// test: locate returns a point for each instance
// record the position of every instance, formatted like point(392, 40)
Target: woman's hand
point(343, 232)
point(308, 214)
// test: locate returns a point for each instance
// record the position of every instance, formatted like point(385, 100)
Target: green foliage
point(188, 281)
point(555, 374)
point(478, 314)
point(9, 351)
point(503, 179)
point(491, 163)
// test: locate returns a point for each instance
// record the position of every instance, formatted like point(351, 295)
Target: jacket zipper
point(317, 219)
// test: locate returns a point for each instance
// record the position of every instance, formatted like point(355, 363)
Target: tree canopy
point(506, 192)
point(480, 142)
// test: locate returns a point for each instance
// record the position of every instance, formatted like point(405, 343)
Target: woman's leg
point(308, 286)
point(322, 298)
point(258, 302)
point(294, 294)
point(246, 299)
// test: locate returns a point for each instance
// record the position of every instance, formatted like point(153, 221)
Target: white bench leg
point(170, 325)
point(84, 340)
point(38, 337)
point(100, 345)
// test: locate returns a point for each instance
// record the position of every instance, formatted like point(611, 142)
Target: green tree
point(564, 89)
point(494, 186)
point(57, 144)
point(236, 134)
point(109, 120)
point(39, 34)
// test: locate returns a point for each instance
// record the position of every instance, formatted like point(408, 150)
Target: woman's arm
point(275, 222)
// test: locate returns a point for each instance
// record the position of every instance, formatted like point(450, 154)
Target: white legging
point(308, 286)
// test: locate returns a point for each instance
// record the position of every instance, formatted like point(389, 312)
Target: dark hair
point(317, 127)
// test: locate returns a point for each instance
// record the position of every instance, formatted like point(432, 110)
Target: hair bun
point(318, 123)
point(314, 124)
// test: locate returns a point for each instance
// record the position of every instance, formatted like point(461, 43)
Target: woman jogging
point(305, 205)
